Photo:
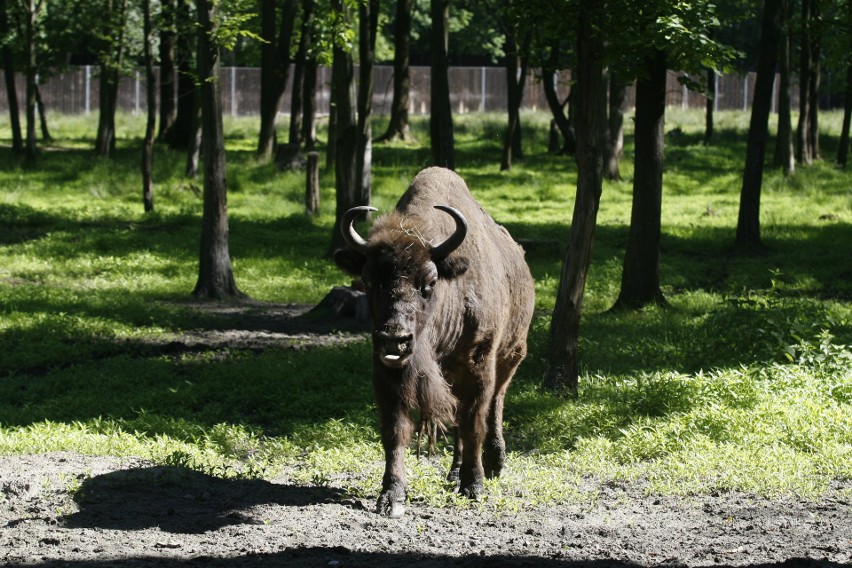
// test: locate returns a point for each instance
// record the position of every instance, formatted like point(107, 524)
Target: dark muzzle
point(393, 349)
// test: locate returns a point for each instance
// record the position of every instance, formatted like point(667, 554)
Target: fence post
point(482, 89)
point(136, 93)
point(715, 92)
point(745, 93)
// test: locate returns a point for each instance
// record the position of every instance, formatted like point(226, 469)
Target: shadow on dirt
point(180, 500)
point(339, 556)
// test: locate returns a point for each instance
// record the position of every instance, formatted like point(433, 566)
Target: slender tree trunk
point(274, 70)
point(557, 108)
point(309, 104)
point(563, 348)
point(804, 153)
point(515, 81)
point(710, 107)
point(151, 100)
point(398, 127)
point(615, 127)
point(748, 223)
point(179, 137)
point(31, 14)
point(640, 279)
point(814, 80)
point(168, 70)
point(193, 137)
point(345, 134)
point(42, 115)
point(215, 276)
point(784, 149)
point(441, 116)
point(296, 105)
point(843, 146)
point(9, 76)
point(111, 63)
point(368, 25)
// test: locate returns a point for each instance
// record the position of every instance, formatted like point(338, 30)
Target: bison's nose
point(394, 349)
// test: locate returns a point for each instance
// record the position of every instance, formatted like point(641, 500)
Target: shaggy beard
point(423, 388)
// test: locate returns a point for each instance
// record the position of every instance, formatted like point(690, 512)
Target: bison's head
point(402, 274)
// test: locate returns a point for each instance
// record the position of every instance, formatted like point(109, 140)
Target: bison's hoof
point(390, 506)
point(454, 476)
point(473, 491)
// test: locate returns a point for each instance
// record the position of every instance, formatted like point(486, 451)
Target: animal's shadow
point(179, 500)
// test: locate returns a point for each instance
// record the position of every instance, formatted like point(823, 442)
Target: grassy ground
point(743, 384)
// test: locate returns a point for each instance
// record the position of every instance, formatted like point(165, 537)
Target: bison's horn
point(444, 249)
point(355, 241)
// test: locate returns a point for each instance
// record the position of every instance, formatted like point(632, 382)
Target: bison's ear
point(452, 267)
point(350, 261)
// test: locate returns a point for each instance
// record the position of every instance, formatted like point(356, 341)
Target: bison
point(449, 324)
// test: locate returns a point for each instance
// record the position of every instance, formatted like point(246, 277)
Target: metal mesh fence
point(473, 89)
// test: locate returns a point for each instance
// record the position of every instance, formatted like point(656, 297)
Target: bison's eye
point(426, 288)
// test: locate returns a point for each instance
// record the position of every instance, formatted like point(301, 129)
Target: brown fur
point(468, 330)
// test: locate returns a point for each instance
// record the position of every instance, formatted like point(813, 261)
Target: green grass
point(743, 384)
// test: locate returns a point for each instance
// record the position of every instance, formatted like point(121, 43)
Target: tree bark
point(398, 126)
point(557, 108)
point(193, 136)
point(748, 222)
point(563, 360)
point(110, 66)
point(710, 107)
point(168, 70)
point(9, 76)
point(804, 148)
point(309, 104)
point(42, 115)
point(215, 276)
point(296, 105)
point(784, 149)
point(368, 24)
point(843, 146)
point(516, 70)
point(31, 10)
point(615, 127)
point(345, 134)
point(640, 278)
point(441, 115)
point(180, 135)
point(274, 70)
point(151, 123)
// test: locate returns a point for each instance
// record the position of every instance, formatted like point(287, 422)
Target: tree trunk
point(562, 362)
point(345, 134)
point(110, 65)
point(151, 100)
point(398, 127)
point(748, 222)
point(814, 79)
point(368, 24)
point(515, 81)
point(548, 74)
point(193, 137)
point(30, 15)
point(215, 276)
point(180, 135)
point(274, 70)
point(843, 146)
point(804, 151)
point(710, 107)
point(309, 104)
point(168, 73)
point(296, 105)
point(9, 76)
point(441, 115)
point(42, 115)
point(615, 127)
point(784, 149)
point(640, 279)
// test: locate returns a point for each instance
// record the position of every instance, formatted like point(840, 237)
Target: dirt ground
point(70, 510)
point(66, 509)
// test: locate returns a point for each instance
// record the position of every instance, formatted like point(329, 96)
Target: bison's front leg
point(396, 429)
point(472, 429)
